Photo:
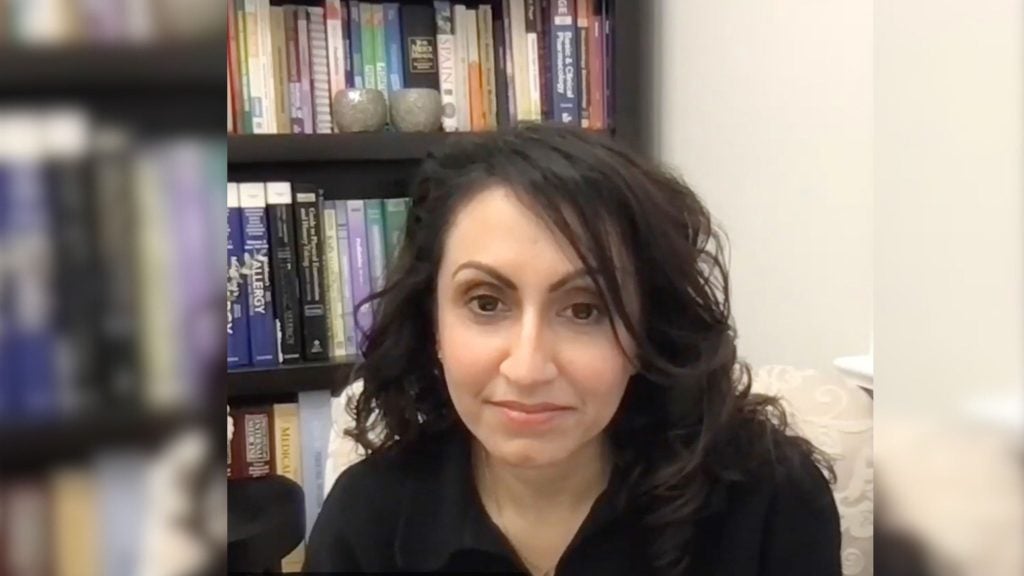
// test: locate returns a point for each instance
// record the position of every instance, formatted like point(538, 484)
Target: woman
point(552, 387)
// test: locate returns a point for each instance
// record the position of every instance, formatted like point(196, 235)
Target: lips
point(532, 408)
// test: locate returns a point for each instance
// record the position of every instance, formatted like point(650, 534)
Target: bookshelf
point(288, 379)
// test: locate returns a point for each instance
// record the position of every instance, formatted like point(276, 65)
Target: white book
point(332, 274)
point(462, 69)
point(446, 70)
point(257, 86)
point(266, 56)
point(520, 59)
point(533, 69)
point(319, 71)
point(341, 213)
point(335, 47)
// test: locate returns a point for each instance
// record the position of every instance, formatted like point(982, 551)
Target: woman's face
point(532, 364)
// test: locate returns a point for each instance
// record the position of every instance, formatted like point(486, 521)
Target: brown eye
point(584, 312)
point(485, 304)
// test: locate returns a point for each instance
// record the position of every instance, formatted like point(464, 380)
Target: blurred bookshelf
point(289, 379)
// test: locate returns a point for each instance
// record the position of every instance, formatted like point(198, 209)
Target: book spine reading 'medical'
point(237, 294)
point(311, 272)
point(256, 270)
point(285, 271)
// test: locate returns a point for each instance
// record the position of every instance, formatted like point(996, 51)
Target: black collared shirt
point(419, 511)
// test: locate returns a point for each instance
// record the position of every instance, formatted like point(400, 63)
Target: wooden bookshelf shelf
point(354, 147)
point(289, 379)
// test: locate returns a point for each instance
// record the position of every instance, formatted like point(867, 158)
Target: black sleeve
point(330, 547)
point(803, 533)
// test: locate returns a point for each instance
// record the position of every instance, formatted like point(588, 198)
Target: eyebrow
point(508, 284)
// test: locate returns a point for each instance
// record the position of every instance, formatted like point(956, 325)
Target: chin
point(524, 452)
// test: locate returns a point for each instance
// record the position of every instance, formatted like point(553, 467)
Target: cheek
point(599, 372)
point(471, 359)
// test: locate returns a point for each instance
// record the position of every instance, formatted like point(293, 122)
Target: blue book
point(256, 270)
point(564, 63)
point(347, 312)
point(393, 39)
point(355, 34)
point(314, 430)
point(346, 25)
point(238, 295)
point(359, 262)
point(6, 307)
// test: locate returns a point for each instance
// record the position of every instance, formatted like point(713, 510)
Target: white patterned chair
point(836, 416)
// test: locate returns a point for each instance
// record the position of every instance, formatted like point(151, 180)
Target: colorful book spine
point(319, 71)
point(252, 444)
point(305, 70)
point(485, 28)
point(315, 429)
point(369, 43)
point(234, 75)
point(359, 261)
point(311, 273)
point(280, 60)
point(243, 67)
point(595, 58)
point(380, 49)
point(533, 58)
point(446, 64)
point(564, 63)
point(284, 264)
point(256, 269)
point(335, 48)
point(346, 48)
point(376, 242)
point(520, 60)
point(463, 112)
point(288, 463)
point(393, 40)
point(237, 294)
point(291, 37)
point(419, 46)
point(544, 52)
point(355, 36)
point(477, 112)
point(510, 83)
point(583, 15)
point(254, 69)
point(267, 63)
point(348, 316)
point(396, 213)
point(332, 275)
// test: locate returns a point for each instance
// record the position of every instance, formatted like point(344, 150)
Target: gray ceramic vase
point(359, 110)
point(416, 110)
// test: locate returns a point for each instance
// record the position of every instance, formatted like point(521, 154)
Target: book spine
point(463, 111)
point(234, 76)
point(545, 52)
point(314, 428)
point(319, 71)
point(237, 294)
point(609, 64)
point(332, 268)
point(520, 60)
point(510, 69)
point(564, 62)
point(291, 36)
point(281, 89)
point(283, 261)
point(501, 112)
point(243, 67)
point(267, 62)
point(257, 432)
point(359, 257)
point(347, 314)
point(335, 49)
point(583, 11)
point(477, 114)
point(288, 463)
point(419, 46)
point(595, 58)
point(376, 242)
point(446, 65)
point(485, 28)
point(254, 50)
point(306, 70)
point(395, 216)
point(380, 50)
point(346, 46)
point(393, 39)
point(533, 58)
point(311, 281)
point(369, 44)
point(355, 35)
point(256, 269)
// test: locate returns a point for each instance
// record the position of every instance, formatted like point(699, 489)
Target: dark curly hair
point(688, 420)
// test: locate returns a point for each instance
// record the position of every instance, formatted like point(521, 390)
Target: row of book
point(285, 439)
point(109, 292)
point(495, 63)
point(298, 268)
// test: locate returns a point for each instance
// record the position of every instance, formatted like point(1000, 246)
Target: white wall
point(766, 110)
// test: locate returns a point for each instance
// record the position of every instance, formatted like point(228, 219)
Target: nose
point(530, 359)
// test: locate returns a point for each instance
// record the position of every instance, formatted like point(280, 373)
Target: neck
point(540, 490)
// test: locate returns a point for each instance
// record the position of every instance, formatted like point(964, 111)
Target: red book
point(252, 446)
point(595, 56)
point(234, 76)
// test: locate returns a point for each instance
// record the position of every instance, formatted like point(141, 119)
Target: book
point(252, 445)
point(608, 49)
point(596, 67)
point(446, 65)
point(520, 60)
point(279, 48)
point(380, 49)
point(288, 463)
point(544, 55)
point(256, 271)
point(255, 73)
point(121, 493)
point(464, 106)
point(510, 69)
point(76, 517)
point(419, 45)
point(485, 29)
point(291, 36)
point(348, 315)
point(396, 212)
point(376, 242)
point(319, 72)
point(477, 112)
point(285, 272)
point(355, 39)
point(563, 63)
point(314, 428)
point(501, 70)
point(242, 61)
point(29, 507)
point(369, 45)
point(393, 42)
point(234, 74)
point(305, 70)
point(336, 31)
point(347, 46)
point(583, 13)
point(359, 256)
point(332, 278)
point(237, 294)
point(266, 58)
point(311, 273)
point(533, 30)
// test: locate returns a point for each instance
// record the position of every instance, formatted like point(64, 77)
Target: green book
point(395, 213)
point(376, 243)
point(380, 49)
point(243, 67)
point(369, 45)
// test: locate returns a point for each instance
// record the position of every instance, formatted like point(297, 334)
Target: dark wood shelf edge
point(289, 379)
